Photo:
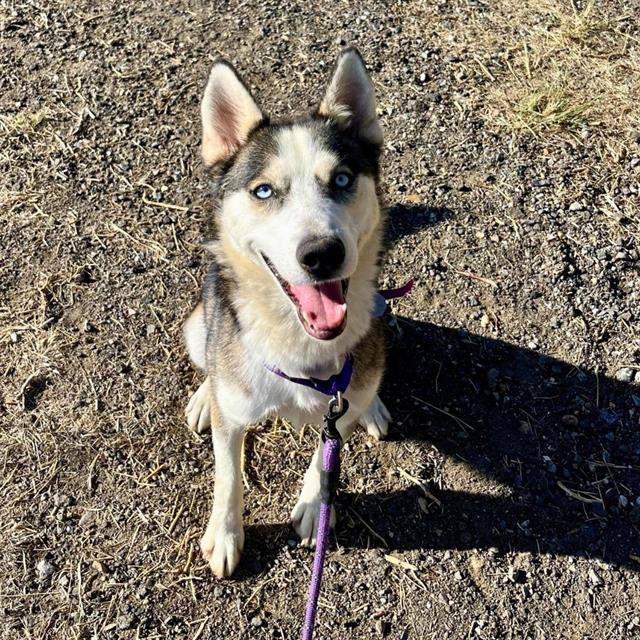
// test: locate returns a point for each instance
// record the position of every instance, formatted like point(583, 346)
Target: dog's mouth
point(321, 307)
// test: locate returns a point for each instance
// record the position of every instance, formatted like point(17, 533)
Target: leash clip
point(336, 403)
point(337, 407)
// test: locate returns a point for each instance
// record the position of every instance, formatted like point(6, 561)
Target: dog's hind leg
point(195, 336)
point(376, 419)
point(198, 410)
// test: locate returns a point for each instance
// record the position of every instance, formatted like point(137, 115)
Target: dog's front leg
point(306, 514)
point(223, 540)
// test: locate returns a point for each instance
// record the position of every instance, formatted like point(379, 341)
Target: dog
point(291, 286)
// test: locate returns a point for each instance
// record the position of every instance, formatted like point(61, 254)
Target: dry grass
point(551, 110)
point(26, 122)
point(580, 26)
point(553, 66)
point(579, 70)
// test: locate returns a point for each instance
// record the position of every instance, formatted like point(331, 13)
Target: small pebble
point(61, 500)
point(256, 621)
point(98, 566)
point(125, 621)
point(45, 570)
point(86, 326)
point(541, 182)
point(598, 509)
point(86, 518)
point(626, 374)
point(595, 579)
point(570, 420)
point(382, 628)
point(609, 416)
point(517, 576)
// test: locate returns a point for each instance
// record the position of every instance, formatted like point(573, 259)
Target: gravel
point(513, 370)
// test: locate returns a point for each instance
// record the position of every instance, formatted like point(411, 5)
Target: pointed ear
point(229, 113)
point(350, 98)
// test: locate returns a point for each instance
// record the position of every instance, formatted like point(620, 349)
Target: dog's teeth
point(343, 306)
point(306, 317)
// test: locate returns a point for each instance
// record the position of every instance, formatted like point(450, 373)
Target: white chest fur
point(271, 395)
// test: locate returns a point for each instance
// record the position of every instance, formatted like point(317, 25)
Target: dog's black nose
point(321, 257)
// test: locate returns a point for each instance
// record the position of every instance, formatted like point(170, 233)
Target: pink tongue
point(322, 305)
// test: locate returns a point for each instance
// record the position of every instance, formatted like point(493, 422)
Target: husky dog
point(292, 282)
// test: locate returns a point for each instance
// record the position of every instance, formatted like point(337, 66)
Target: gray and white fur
point(287, 220)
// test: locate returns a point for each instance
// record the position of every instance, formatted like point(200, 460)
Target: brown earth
point(506, 503)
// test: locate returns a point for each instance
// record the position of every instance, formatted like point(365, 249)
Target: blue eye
point(263, 191)
point(342, 180)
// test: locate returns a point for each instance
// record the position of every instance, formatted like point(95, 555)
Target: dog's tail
point(195, 337)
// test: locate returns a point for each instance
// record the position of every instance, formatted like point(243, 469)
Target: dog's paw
point(376, 419)
point(305, 518)
point(221, 546)
point(198, 410)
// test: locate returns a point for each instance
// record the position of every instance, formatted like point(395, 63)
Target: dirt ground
point(506, 502)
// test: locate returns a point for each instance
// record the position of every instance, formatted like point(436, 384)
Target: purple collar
point(337, 383)
point(390, 294)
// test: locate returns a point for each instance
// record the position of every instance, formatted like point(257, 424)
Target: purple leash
point(333, 386)
point(329, 477)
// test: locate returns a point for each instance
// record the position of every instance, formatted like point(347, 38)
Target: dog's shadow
point(553, 449)
point(405, 219)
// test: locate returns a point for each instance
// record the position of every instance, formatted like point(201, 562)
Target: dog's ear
point(350, 99)
point(229, 113)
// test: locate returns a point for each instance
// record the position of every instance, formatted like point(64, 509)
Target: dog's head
point(299, 199)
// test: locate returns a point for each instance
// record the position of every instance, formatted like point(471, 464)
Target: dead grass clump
point(570, 70)
point(552, 110)
point(26, 123)
point(586, 27)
